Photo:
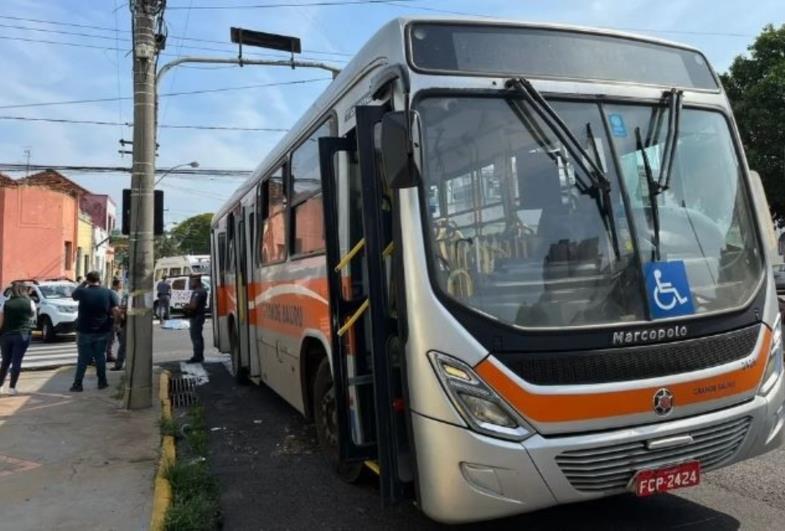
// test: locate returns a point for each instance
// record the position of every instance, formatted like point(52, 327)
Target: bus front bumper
point(464, 476)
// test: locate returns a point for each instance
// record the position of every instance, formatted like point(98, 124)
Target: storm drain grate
point(182, 391)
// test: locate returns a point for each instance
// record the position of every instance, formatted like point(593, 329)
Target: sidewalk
point(75, 461)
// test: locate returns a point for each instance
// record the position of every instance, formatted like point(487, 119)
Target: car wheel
point(325, 418)
point(47, 329)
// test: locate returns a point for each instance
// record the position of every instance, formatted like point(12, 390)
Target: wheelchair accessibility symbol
point(668, 289)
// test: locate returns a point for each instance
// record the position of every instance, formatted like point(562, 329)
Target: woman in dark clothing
point(17, 319)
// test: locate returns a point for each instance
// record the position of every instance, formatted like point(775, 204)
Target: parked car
point(56, 310)
point(181, 292)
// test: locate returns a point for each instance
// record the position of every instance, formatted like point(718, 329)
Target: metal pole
point(139, 336)
point(334, 70)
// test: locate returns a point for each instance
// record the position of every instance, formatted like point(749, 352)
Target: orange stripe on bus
point(578, 407)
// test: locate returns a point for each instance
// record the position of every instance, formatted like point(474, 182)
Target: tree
point(193, 234)
point(166, 245)
point(756, 88)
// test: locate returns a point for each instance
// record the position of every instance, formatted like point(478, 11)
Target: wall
point(84, 245)
point(36, 224)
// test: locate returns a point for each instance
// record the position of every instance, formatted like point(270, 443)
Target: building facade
point(85, 256)
point(38, 231)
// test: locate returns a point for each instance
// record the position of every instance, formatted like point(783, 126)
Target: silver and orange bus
point(509, 266)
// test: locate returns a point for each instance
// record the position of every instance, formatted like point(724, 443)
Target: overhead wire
point(107, 37)
point(274, 5)
point(130, 124)
point(167, 94)
point(165, 107)
point(114, 48)
point(86, 168)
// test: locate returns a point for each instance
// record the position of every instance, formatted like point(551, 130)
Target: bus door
point(252, 283)
point(242, 291)
point(368, 388)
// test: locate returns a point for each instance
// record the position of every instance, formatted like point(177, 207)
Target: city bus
point(507, 266)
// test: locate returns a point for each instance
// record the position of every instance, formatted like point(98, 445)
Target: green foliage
point(755, 85)
point(165, 245)
point(193, 234)
point(196, 436)
point(195, 504)
point(168, 427)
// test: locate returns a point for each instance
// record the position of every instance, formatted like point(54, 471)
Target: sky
point(87, 56)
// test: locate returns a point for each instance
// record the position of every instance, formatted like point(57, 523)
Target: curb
point(162, 495)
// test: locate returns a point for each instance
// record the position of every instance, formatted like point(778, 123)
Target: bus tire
point(326, 422)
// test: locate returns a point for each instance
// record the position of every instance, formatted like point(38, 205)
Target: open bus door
point(241, 289)
point(370, 401)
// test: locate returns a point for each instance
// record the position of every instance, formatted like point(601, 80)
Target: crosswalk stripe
point(66, 355)
point(53, 349)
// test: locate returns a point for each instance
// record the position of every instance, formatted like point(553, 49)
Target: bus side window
point(307, 230)
point(274, 221)
point(221, 256)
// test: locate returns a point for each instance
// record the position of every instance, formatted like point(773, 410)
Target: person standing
point(164, 292)
point(116, 293)
point(196, 309)
point(120, 325)
point(97, 306)
point(17, 320)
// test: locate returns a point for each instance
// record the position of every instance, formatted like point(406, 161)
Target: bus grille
point(632, 363)
point(610, 468)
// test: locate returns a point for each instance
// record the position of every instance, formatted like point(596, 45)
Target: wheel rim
point(329, 417)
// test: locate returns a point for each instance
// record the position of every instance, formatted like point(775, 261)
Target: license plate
point(648, 482)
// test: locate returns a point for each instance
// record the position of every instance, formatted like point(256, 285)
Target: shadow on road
point(266, 459)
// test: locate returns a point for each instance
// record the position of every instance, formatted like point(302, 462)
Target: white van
point(181, 292)
point(175, 266)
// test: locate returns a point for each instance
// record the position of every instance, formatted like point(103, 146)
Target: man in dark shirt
point(196, 309)
point(164, 295)
point(97, 306)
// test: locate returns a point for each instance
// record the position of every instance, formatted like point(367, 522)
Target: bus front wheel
point(325, 418)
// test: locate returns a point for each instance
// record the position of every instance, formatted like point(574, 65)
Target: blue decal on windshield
point(668, 289)
point(617, 125)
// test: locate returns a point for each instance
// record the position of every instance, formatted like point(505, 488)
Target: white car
point(56, 310)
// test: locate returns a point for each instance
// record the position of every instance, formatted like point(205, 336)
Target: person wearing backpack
point(17, 320)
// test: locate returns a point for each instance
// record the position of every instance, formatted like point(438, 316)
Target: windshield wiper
point(653, 192)
point(663, 180)
point(599, 186)
point(674, 101)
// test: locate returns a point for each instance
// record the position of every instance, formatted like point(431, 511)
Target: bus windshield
point(514, 234)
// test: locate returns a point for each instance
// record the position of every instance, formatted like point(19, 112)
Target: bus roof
point(387, 46)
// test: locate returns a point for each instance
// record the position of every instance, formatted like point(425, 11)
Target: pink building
point(38, 229)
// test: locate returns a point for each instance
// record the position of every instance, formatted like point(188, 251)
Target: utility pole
point(139, 336)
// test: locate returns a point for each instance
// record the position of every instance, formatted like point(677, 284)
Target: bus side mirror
point(396, 146)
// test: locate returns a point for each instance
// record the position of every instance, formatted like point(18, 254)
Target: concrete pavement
point(75, 461)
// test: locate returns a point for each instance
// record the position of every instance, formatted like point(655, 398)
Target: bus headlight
point(774, 363)
point(479, 405)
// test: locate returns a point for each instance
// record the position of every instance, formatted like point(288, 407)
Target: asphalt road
point(272, 476)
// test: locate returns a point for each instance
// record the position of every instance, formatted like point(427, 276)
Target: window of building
point(273, 219)
point(307, 209)
point(69, 250)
